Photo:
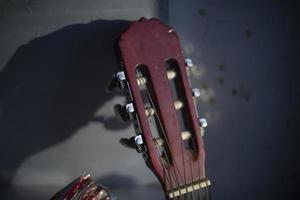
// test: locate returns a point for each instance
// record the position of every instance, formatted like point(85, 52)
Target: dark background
point(57, 121)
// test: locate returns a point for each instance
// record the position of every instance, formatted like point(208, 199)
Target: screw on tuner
point(126, 112)
point(118, 81)
point(134, 142)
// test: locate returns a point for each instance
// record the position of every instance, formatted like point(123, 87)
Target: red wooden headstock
point(161, 106)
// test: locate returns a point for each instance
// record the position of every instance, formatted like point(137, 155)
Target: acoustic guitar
point(161, 105)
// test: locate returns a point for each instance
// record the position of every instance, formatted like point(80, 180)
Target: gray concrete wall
point(247, 57)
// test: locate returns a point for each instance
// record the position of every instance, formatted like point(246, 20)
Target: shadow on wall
point(52, 86)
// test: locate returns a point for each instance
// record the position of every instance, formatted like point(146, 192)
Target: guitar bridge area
point(156, 128)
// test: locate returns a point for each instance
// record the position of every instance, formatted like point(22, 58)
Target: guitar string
point(169, 171)
point(207, 193)
point(167, 176)
point(199, 191)
point(171, 185)
point(183, 157)
point(183, 161)
point(190, 163)
point(192, 193)
point(184, 167)
point(175, 177)
point(157, 117)
point(156, 114)
point(182, 152)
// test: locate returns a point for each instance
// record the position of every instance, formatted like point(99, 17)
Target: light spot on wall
point(197, 71)
point(207, 94)
point(212, 116)
point(189, 48)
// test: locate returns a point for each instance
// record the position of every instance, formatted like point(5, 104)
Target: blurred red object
point(83, 188)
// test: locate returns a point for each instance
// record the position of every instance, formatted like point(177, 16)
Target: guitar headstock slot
point(153, 118)
point(180, 103)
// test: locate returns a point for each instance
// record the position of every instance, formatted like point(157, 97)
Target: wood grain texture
point(151, 43)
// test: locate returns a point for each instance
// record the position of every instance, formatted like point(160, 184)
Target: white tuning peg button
point(119, 80)
point(139, 143)
point(121, 76)
point(203, 123)
point(125, 112)
point(196, 93)
point(129, 108)
point(189, 62)
point(130, 111)
point(138, 140)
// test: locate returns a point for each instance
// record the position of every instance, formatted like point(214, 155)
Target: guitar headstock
point(161, 105)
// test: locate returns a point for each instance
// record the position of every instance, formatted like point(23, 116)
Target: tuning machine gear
point(196, 93)
point(189, 63)
point(135, 142)
point(126, 112)
point(119, 80)
point(203, 125)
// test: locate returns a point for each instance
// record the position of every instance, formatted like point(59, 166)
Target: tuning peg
point(171, 74)
point(129, 109)
point(189, 62)
point(203, 122)
point(135, 142)
point(196, 93)
point(126, 112)
point(178, 104)
point(119, 80)
point(203, 125)
point(139, 143)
